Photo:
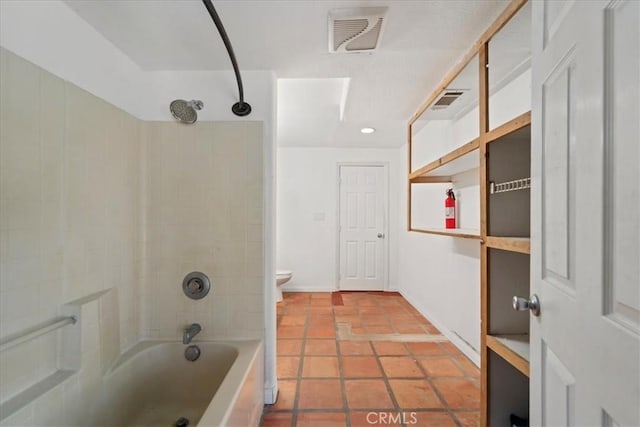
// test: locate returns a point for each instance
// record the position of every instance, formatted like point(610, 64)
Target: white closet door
point(585, 239)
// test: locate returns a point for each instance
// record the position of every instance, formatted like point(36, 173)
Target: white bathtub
point(153, 385)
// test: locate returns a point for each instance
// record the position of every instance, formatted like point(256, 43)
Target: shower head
point(185, 111)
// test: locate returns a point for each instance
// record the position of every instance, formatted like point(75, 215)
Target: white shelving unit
point(499, 149)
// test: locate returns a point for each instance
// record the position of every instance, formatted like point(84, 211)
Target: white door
point(585, 240)
point(362, 228)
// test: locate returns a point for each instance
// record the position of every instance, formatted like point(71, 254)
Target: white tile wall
point(69, 218)
point(204, 212)
point(93, 199)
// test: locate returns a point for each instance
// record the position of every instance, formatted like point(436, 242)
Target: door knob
point(533, 304)
point(380, 235)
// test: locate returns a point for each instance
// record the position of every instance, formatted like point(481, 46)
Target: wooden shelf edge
point(509, 127)
point(513, 244)
point(510, 356)
point(430, 179)
point(447, 158)
point(444, 232)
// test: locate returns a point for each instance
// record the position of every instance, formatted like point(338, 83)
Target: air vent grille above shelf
point(446, 99)
point(457, 161)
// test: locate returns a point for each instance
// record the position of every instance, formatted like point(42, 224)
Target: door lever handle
point(533, 304)
point(380, 235)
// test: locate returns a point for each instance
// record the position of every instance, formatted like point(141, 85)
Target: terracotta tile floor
point(325, 381)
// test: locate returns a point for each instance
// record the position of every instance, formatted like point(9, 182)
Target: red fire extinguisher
point(450, 209)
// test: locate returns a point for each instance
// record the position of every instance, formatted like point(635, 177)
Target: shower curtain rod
point(240, 108)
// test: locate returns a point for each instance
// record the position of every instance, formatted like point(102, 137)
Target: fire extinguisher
point(450, 209)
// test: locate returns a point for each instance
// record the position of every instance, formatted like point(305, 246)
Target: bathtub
point(154, 385)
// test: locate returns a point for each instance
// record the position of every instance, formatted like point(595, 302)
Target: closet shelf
point(512, 348)
point(457, 161)
point(512, 244)
point(465, 233)
point(509, 127)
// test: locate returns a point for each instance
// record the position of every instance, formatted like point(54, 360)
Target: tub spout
point(191, 332)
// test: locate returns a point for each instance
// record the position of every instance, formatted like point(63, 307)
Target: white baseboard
point(452, 336)
point(270, 394)
point(310, 289)
point(319, 289)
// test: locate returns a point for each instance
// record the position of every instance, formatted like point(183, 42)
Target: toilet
point(282, 277)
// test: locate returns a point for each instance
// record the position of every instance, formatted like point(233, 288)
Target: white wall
point(440, 275)
point(430, 140)
point(435, 138)
point(69, 219)
point(427, 202)
point(512, 99)
point(306, 191)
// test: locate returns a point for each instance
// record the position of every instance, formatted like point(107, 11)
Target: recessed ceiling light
point(367, 130)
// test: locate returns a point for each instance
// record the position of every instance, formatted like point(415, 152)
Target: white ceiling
point(421, 41)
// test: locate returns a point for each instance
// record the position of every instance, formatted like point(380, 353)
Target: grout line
point(343, 386)
point(396, 404)
point(296, 400)
point(435, 389)
point(464, 371)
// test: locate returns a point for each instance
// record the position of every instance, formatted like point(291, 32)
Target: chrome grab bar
point(13, 340)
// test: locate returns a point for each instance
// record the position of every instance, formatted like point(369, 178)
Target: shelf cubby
point(508, 391)
point(508, 159)
point(427, 204)
point(514, 349)
point(508, 274)
point(460, 160)
point(509, 127)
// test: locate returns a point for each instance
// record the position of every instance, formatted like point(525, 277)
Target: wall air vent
point(356, 29)
point(447, 99)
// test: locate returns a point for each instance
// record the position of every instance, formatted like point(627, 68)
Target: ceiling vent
point(447, 98)
point(356, 29)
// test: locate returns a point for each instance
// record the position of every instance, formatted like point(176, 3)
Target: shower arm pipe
point(240, 108)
